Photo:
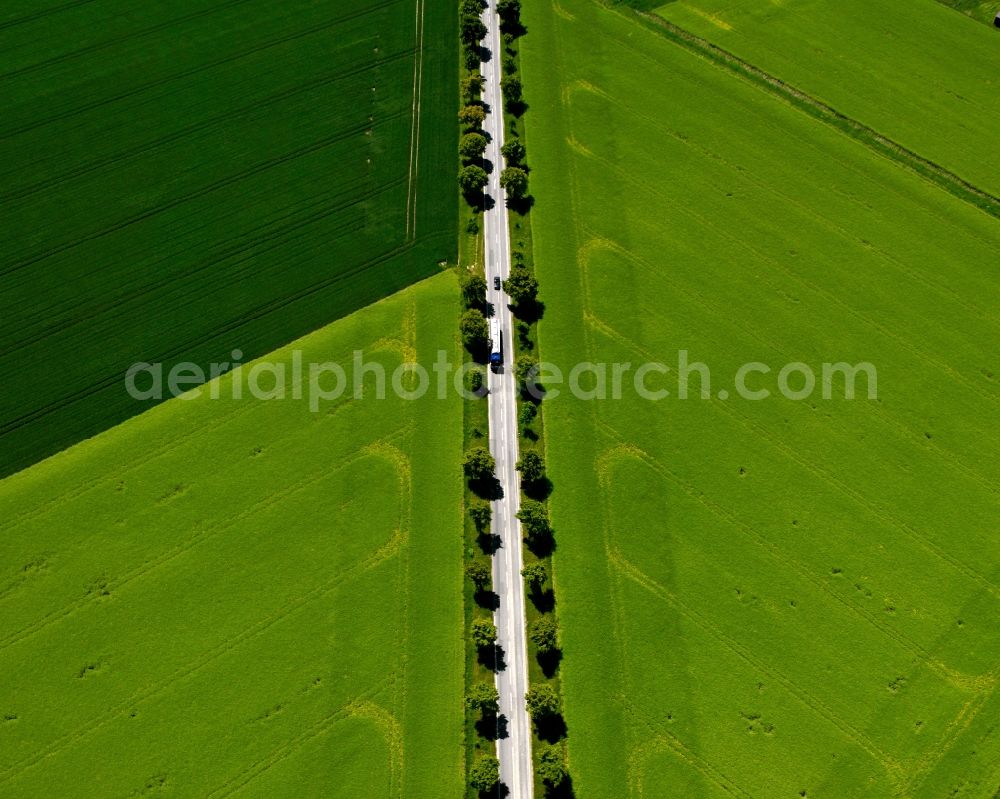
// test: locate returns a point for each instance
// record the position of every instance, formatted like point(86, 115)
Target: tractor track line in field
point(229, 59)
point(13, 23)
point(384, 552)
point(182, 547)
point(203, 125)
point(183, 348)
point(259, 168)
point(273, 235)
point(871, 138)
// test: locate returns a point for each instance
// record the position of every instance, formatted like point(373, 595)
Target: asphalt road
point(514, 745)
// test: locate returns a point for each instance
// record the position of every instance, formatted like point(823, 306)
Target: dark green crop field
point(181, 179)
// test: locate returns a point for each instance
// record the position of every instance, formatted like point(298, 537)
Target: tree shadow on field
point(544, 600)
point(529, 311)
point(564, 790)
point(549, 662)
point(551, 728)
point(492, 658)
point(487, 599)
point(492, 727)
point(542, 544)
point(489, 543)
point(487, 488)
point(538, 489)
point(521, 205)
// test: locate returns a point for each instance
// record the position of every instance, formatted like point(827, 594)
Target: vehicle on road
point(496, 283)
point(496, 345)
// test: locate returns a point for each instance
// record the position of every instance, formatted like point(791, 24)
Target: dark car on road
point(496, 283)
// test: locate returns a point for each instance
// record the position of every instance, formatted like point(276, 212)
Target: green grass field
point(244, 598)
point(778, 598)
point(181, 179)
point(913, 70)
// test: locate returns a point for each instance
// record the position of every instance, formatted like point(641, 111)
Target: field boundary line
point(941, 289)
point(202, 68)
point(892, 150)
point(418, 88)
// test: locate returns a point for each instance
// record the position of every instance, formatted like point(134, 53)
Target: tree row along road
point(514, 745)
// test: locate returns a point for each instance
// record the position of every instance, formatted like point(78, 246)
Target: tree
point(472, 8)
point(484, 776)
point(479, 464)
point(474, 381)
point(512, 90)
point(545, 635)
point(484, 633)
point(473, 56)
point(526, 372)
point(473, 179)
point(514, 152)
point(531, 466)
point(473, 29)
point(534, 517)
point(472, 116)
point(479, 573)
point(483, 696)
point(509, 10)
point(472, 87)
point(473, 145)
point(473, 287)
point(475, 330)
point(527, 414)
point(542, 701)
point(535, 575)
point(481, 515)
point(552, 765)
point(520, 285)
point(515, 181)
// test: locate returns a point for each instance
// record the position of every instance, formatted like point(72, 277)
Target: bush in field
point(472, 146)
point(520, 284)
point(481, 515)
point(484, 697)
point(514, 152)
point(475, 331)
point(542, 701)
point(479, 573)
point(484, 776)
point(552, 766)
point(473, 286)
point(527, 415)
point(473, 179)
point(545, 635)
point(534, 517)
point(472, 87)
point(472, 116)
point(479, 464)
point(531, 466)
point(515, 182)
point(484, 633)
point(535, 575)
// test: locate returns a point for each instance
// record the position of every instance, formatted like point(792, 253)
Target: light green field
point(761, 599)
point(244, 598)
point(914, 70)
